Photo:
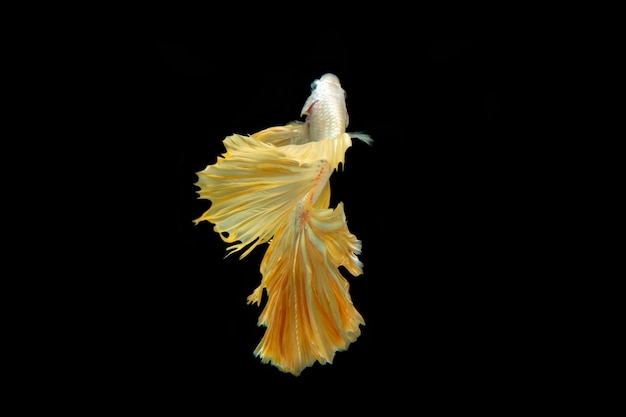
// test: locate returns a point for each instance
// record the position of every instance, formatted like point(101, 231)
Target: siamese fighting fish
point(272, 187)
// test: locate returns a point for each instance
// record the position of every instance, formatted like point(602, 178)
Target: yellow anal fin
point(309, 313)
point(294, 133)
point(253, 189)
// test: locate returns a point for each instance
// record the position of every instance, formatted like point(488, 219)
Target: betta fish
point(272, 187)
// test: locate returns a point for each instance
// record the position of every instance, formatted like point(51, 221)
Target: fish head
point(326, 88)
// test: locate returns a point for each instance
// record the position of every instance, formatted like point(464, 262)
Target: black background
point(435, 202)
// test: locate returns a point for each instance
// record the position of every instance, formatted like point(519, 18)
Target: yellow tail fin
point(309, 314)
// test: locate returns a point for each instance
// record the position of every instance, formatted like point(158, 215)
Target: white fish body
point(325, 109)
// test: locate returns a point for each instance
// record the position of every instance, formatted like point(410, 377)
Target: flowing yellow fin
point(294, 133)
point(309, 313)
point(253, 188)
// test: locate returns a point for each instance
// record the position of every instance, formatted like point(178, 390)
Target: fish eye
point(314, 84)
